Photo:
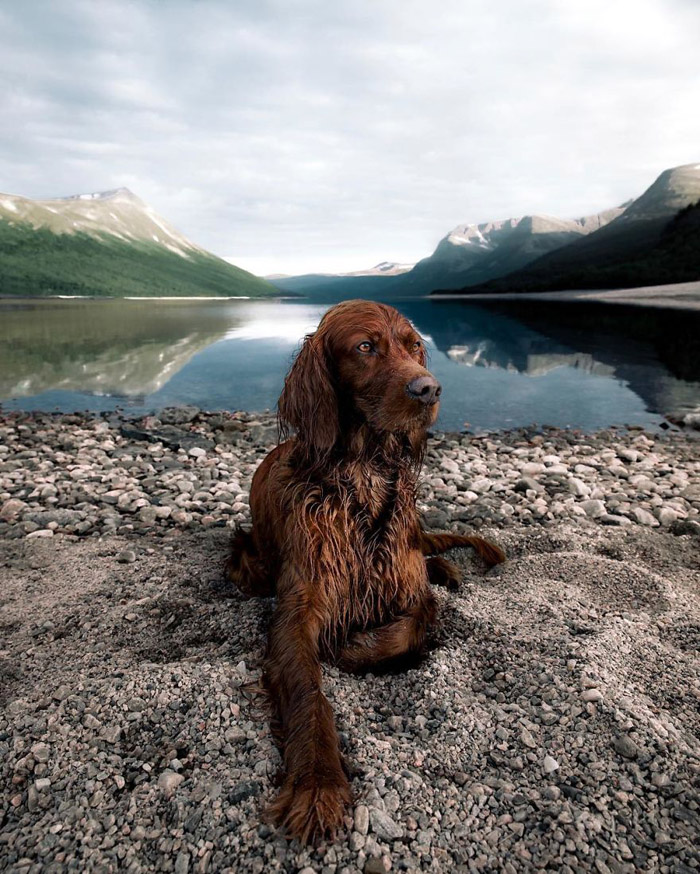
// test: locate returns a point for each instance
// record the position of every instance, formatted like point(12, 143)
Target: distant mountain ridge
point(635, 248)
point(108, 243)
point(468, 253)
point(476, 252)
point(538, 252)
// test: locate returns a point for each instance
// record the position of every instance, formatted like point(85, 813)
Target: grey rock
point(361, 819)
point(686, 526)
point(384, 826)
point(11, 510)
point(127, 556)
point(169, 781)
point(178, 415)
point(40, 751)
point(626, 747)
point(594, 509)
point(549, 765)
point(644, 517)
point(527, 483)
point(578, 487)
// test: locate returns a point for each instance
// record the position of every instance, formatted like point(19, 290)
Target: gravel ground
point(554, 724)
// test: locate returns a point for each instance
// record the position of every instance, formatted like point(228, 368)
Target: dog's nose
point(425, 389)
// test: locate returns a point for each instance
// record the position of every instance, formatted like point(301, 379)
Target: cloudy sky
point(291, 135)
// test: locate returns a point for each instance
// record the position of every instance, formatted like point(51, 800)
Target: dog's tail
point(434, 544)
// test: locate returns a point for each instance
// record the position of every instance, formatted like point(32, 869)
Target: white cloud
point(306, 133)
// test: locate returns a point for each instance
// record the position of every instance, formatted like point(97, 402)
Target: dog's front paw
point(310, 809)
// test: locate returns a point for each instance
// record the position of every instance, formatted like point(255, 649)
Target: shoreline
point(30, 297)
point(186, 467)
point(682, 295)
point(552, 725)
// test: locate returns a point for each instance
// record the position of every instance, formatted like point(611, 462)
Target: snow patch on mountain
point(117, 213)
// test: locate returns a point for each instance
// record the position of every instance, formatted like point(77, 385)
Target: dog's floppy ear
point(308, 402)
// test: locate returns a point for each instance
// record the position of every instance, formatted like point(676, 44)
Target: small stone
point(593, 509)
point(148, 515)
point(384, 826)
point(614, 519)
point(61, 693)
point(180, 517)
point(40, 752)
point(111, 733)
point(481, 485)
point(592, 695)
point(243, 791)
point(362, 819)
point(644, 517)
point(626, 747)
point(40, 534)
point(169, 781)
point(549, 765)
point(182, 863)
point(532, 468)
point(667, 516)
point(685, 526)
point(628, 454)
point(178, 415)
point(356, 841)
point(43, 784)
point(525, 484)
point(127, 556)
point(197, 452)
point(11, 509)
point(578, 487)
point(527, 739)
point(377, 865)
point(449, 465)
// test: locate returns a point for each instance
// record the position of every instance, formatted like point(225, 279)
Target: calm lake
point(502, 364)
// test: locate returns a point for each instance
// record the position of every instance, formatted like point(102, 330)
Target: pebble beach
point(554, 724)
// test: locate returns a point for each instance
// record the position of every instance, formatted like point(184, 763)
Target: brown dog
point(336, 536)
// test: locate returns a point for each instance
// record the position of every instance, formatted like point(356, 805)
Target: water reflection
point(103, 348)
point(501, 364)
point(654, 352)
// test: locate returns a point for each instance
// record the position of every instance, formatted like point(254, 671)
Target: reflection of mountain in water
point(534, 359)
point(103, 348)
point(656, 353)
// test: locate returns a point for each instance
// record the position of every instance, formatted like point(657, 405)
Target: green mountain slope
point(109, 244)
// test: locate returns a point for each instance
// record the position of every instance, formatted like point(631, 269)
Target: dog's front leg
point(315, 792)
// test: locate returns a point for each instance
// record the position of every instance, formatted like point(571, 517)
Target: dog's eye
point(364, 347)
point(417, 345)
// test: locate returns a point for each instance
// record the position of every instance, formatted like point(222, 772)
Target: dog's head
point(364, 362)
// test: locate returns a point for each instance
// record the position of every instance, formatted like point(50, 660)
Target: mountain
point(108, 244)
point(384, 268)
point(375, 282)
point(655, 241)
point(476, 253)
point(469, 253)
